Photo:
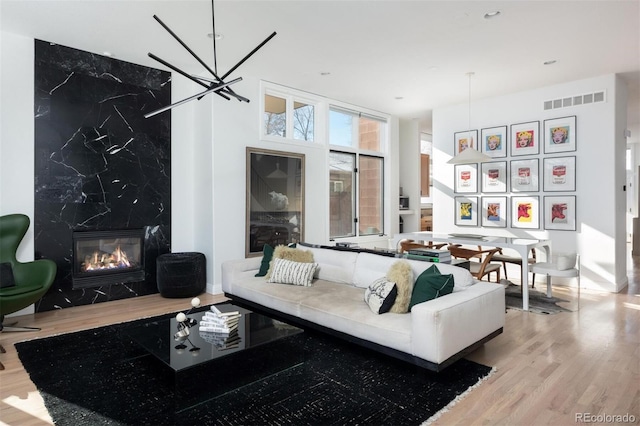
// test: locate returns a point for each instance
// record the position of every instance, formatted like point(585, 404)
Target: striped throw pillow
point(285, 271)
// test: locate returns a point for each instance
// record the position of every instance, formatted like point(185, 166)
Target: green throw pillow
point(267, 254)
point(430, 285)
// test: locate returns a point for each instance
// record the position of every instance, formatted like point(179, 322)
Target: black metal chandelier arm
point(190, 98)
point(235, 95)
point(187, 47)
point(227, 90)
point(178, 70)
point(249, 55)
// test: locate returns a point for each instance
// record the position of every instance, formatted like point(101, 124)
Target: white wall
point(410, 171)
point(600, 152)
point(17, 132)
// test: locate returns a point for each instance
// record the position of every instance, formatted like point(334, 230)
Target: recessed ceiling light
point(492, 14)
point(218, 36)
point(399, 98)
point(432, 68)
point(551, 62)
point(325, 73)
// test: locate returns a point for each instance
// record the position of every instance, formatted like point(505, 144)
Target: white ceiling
point(374, 50)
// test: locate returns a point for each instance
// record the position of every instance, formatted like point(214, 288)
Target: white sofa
point(433, 335)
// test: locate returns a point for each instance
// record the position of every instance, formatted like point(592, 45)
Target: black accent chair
point(21, 283)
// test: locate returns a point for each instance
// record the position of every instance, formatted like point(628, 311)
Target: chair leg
point(10, 327)
point(504, 265)
point(549, 286)
point(533, 282)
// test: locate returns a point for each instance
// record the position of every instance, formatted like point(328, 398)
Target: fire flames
point(102, 260)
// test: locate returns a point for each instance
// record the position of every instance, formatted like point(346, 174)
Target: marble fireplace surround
point(99, 164)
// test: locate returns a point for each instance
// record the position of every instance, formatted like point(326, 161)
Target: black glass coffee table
point(260, 348)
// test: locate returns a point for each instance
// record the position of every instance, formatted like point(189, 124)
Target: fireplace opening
point(107, 257)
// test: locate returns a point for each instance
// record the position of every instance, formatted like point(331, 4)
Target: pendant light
point(469, 155)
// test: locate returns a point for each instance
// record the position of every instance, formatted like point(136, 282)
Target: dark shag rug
point(98, 377)
point(538, 301)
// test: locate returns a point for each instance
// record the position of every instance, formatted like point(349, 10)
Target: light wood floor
point(549, 367)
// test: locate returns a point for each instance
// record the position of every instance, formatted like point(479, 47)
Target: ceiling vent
point(585, 99)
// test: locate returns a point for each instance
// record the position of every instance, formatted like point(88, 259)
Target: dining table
point(521, 245)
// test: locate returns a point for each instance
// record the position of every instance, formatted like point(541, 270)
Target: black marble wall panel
point(99, 163)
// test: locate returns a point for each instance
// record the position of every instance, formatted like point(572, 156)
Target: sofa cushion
point(430, 285)
point(401, 274)
point(290, 253)
point(381, 295)
point(334, 265)
point(285, 271)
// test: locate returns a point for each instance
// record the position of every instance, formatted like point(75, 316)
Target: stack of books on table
point(222, 341)
point(220, 328)
point(430, 255)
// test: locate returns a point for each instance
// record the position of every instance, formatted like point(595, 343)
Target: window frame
point(383, 153)
point(291, 96)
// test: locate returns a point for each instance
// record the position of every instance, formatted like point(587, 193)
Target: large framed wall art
point(560, 212)
point(560, 135)
point(525, 212)
point(466, 211)
point(275, 199)
point(559, 174)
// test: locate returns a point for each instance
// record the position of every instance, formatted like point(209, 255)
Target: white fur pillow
point(400, 273)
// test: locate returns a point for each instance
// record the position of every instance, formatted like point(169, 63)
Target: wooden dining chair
point(478, 268)
point(516, 260)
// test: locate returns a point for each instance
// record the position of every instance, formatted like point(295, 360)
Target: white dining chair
point(565, 266)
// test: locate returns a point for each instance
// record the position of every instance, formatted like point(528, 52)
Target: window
point(341, 203)
point(303, 121)
point(370, 198)
point(275, 116)
point(356, 168)
point(286, 116)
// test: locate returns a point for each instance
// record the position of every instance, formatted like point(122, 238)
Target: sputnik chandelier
point(217, 84)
